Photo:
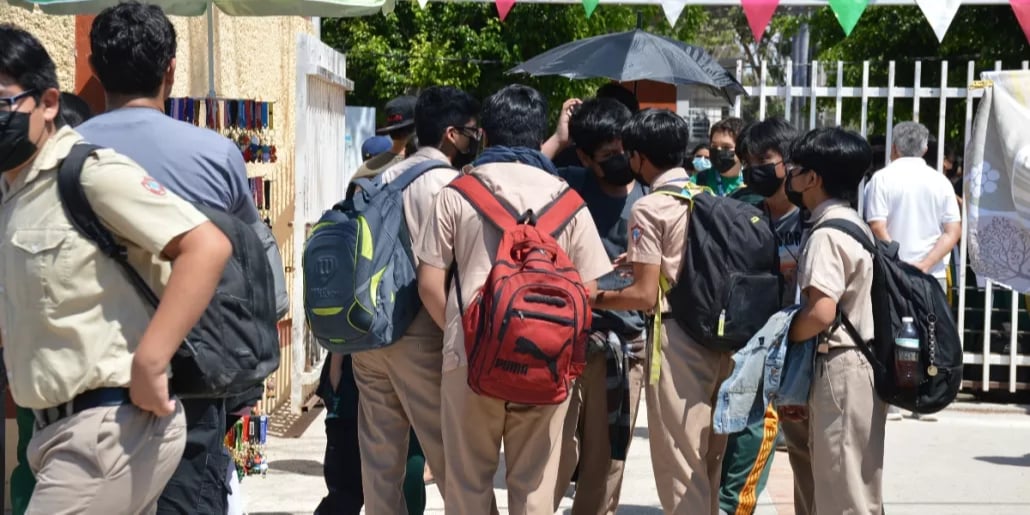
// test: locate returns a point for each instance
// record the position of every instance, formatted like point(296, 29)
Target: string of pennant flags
point(939, 13)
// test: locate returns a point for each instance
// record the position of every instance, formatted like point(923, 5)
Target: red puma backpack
point(526, 328)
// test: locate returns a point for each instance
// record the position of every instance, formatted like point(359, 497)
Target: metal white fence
point(992, 347)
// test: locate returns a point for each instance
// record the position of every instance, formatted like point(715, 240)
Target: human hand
point(563, 120)
point(148, 387)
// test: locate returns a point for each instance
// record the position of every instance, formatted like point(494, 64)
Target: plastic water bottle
point(906, 355)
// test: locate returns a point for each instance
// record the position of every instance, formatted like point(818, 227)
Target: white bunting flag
point(673, 9)
point(939, 13)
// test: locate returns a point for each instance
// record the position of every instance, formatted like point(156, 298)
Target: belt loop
point(68, 408)
point(40, 418)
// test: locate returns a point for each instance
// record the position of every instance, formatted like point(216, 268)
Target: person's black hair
point(624, 96)
point(596, 122)
point(931, 152)
point(660, 135)
point(132, 46)
point(841, 157)
point(25, 61)
point(698, 148)
point(769, 135)
point(515, 116)
point(439, 107)
point(74, 110)
point(731, 126)
point(402, 134)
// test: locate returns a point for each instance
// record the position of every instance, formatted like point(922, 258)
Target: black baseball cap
point(400, 113)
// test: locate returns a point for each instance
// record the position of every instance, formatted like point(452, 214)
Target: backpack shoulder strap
point(415, 172)
point(85, 220)
point(851, 229)
point(554, 217)
point(497, 212)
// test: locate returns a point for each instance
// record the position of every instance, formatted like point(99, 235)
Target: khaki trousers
point(105, 460)
point(796, 433)
point(399, 389)
point(585, 442)
point(474, 427)
point(685, 452)
point(847, 422)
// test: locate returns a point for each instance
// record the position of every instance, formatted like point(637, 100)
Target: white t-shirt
point(915, 201)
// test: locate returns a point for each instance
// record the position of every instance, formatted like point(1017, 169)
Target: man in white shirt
point(915, 205)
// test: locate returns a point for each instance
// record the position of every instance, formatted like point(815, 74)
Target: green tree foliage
point(467, 46)
point(983, 34)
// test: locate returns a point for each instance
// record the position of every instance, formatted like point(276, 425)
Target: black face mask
point(617, 171)
point(724, 160)
point(763, 179)
point(15, 146)
point(465, 157)
point(793, 196)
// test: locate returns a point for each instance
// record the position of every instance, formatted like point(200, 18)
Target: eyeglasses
point(794, 169)
point(472, 132)
point(7, 103)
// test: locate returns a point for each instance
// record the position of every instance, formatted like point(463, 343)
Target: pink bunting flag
point(504, 7)
point(759, 13)
point(1022, 10)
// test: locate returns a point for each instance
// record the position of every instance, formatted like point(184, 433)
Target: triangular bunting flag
point(589, 6)
point(422, 3)
point(1022, 9)
point(939, 13)
point(504, 7)
point(758, 13)
point(673, 9)
point(848, 12)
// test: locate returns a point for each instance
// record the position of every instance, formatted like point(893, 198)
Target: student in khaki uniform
point(81, 348)
point(399, 385)
point(845, 416)
point(514, 121)
point(685, 452)
point(400, 126)
point(604, 401)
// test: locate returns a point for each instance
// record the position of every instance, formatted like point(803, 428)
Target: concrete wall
point(255, 58)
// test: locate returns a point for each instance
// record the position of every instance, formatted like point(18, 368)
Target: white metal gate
point(990, 344)
point(320, 182)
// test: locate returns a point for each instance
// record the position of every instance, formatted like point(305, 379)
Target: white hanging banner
point(998, 182)
point(939, 13)
point(673, 9)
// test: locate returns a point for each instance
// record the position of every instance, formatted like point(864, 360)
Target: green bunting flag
point(590, 5)
point(848, 12)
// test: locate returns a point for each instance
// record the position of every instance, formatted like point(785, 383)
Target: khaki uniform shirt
point(70, 320)
point(837, 265)
point(418, 200)
point(658, 228)
point(457, 233)
point(372, 167)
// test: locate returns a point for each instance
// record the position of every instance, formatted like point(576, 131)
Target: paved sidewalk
point(965, 464)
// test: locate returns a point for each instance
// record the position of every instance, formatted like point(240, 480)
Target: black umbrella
point(635, 55)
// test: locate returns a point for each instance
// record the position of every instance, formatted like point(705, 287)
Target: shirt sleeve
point(586, 249)
point(645, 235)
point(134, 205)
point(877, 208)
point(241, 202)
point(822, 266)
point(436, 243)
point(950, 209)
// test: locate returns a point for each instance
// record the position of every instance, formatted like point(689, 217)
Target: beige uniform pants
point(847, 422)
point(796, 433)
point(474, 427)
point(104, 461)
point(398, 389)
point(685, 452)
point(585, 442)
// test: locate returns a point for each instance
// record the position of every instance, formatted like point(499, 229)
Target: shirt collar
point(823, 209)
point(432, 153)
point(675, 174)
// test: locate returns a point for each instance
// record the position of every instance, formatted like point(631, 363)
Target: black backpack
point(730, 283)
point(902, 290)
point(235, 345)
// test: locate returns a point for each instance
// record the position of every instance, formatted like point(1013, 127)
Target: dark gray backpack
point(235, 345)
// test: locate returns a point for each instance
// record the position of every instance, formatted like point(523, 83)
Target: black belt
point(82, 402)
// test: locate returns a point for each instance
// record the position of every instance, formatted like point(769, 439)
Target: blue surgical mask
point(701, 164)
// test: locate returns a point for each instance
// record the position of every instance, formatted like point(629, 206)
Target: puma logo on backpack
point(526, 328)
point(902, 290)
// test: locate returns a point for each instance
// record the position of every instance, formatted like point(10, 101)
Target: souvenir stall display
point(246, 443)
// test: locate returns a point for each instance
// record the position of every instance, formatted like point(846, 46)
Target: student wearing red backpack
point(529, 342)
point(684, 376)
